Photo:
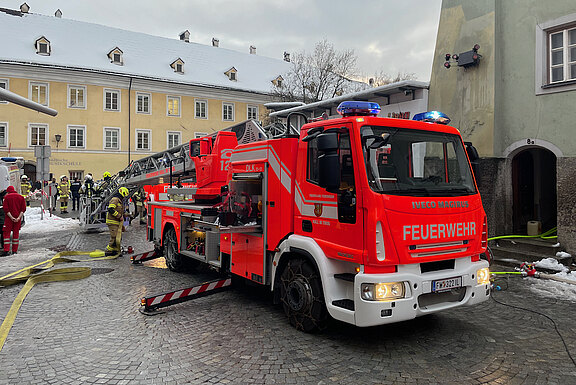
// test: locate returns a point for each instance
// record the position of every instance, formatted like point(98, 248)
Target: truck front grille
point(431, 299)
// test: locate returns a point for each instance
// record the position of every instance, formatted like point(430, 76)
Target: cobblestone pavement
point(90, 331)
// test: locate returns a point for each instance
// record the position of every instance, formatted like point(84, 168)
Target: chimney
point(252, 50)
point(185, 36)
point(24, 8)
point(215, 42)
point(286, 56)
point(58, 13)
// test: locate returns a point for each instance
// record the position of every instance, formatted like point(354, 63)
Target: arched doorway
point(534, 189)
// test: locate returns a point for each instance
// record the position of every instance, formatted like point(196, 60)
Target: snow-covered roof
point(85, 46)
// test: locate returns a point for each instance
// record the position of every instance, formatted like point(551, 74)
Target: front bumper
point(419, 299)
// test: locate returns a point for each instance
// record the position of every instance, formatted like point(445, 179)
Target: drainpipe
point(129, 116)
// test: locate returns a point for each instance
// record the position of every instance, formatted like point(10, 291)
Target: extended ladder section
point(170, 166)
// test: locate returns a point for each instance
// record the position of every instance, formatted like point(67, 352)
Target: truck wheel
point(174, 260)
point(302, 297)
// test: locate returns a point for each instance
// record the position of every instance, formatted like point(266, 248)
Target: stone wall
point(566, 186)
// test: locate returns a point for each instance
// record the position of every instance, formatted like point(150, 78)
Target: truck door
point(333, 218)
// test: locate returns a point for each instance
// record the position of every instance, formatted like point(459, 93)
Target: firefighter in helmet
point(64, 193)
point(139, 199)
point(105, 183)
point(114, 220)
point(25, 188)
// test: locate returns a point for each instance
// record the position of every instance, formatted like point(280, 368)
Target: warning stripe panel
point(205, 287)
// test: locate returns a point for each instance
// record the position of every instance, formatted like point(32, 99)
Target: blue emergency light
point(8, 159)
point(432, 117)
point(358, 109)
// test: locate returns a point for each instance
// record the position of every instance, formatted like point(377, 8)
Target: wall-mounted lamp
point(465, 59)
point(58, 138)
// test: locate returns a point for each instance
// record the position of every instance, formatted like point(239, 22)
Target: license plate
point(446, 284)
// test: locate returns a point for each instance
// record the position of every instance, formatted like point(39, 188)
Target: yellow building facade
point(120, 95)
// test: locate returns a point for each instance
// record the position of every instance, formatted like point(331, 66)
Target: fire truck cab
point(365, 219)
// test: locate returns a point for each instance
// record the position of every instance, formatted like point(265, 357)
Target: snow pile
point(551, 264)
point(34, 225)
point(562, 254)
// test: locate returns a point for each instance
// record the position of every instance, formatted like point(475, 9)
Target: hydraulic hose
point(545, 235)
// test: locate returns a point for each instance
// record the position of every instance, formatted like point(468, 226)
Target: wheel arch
point(167, 226)
point(285, 257)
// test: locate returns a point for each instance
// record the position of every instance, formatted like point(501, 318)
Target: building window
point(562, 55)
point(201, 109)
point(43, 46)
point(174, 139)
point(111, 100)
point(252, 113)
point(143, 140)
point(39, 93)
point(173, 105)
point(199, 135)
point(116, 56)
point(178, 66)
point(37, 134)
point(278, 81)
point(142, 103)
point(76, 174)
point(76, 97)
point(3, 134)
point(228, 112)
point(111, 138)
point(4, 84)
point(76, 136)
point(232, 74)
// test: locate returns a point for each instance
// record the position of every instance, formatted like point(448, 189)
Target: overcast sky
point(387, 35)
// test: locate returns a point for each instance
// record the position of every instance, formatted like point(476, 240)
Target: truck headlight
point(483, 276)
point(383, 291)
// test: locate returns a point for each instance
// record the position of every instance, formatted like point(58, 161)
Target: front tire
point(302, 296)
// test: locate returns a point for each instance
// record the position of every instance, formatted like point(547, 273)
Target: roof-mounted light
point(358, 109)
point(432, 117)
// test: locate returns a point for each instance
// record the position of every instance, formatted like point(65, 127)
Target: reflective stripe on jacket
point(117, 215)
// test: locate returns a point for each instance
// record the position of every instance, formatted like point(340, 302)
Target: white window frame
point(77, 87)
point(69, 136)
point(200, 135)
point(143, 131)
point(31, 84)
point(147, 95)
point(6, 83)
point(171, 97)
point(5, 126)
point(224, 105)
point(111, 129)
point(565, 49)
point(248, 107)
point(46, 134)
point(542, 77)
point(205, 103)
point(112, 91)
point(175, 133)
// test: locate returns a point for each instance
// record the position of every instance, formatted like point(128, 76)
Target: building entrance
point(534, 189)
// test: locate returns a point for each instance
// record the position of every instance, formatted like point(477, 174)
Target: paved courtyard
point(90, 331)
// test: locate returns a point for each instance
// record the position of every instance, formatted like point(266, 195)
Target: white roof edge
point(409, 84)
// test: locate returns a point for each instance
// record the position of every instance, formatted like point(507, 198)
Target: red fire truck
point(365, 219)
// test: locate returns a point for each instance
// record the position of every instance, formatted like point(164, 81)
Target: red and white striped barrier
point(162, 300)
point(139, 258)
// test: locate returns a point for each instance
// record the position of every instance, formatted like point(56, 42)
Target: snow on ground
point(552, 289)
point(35, 225)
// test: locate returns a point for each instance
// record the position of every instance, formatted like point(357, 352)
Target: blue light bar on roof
point(432, 117)
point(358, 109)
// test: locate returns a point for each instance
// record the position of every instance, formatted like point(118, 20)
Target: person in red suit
point(14, 208)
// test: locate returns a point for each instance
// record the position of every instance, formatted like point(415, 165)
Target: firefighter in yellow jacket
point(64, 193)
point(25, 188)
point(114, 220)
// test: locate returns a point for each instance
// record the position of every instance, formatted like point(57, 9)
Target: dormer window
point(232, 74)
point(116, 56)
point(178, 66)
point(278, 81)
point(43, 46)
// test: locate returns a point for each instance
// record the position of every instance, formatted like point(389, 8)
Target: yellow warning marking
point(39, 273)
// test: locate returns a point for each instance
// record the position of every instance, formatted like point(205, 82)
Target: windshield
point(413, 162)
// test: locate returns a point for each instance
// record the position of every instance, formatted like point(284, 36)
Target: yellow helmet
point(107, 175)
point(123, 191)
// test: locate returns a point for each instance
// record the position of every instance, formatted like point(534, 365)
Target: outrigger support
point(150, 305)
point(139, 258)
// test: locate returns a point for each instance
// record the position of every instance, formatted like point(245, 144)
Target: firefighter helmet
point(123, 191)
point(24, 177)
point(106, 175)
point(63, 177)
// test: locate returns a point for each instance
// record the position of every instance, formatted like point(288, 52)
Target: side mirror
point(329, 161)
point(200, 147)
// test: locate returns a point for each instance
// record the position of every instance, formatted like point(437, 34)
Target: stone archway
point(534, 195)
